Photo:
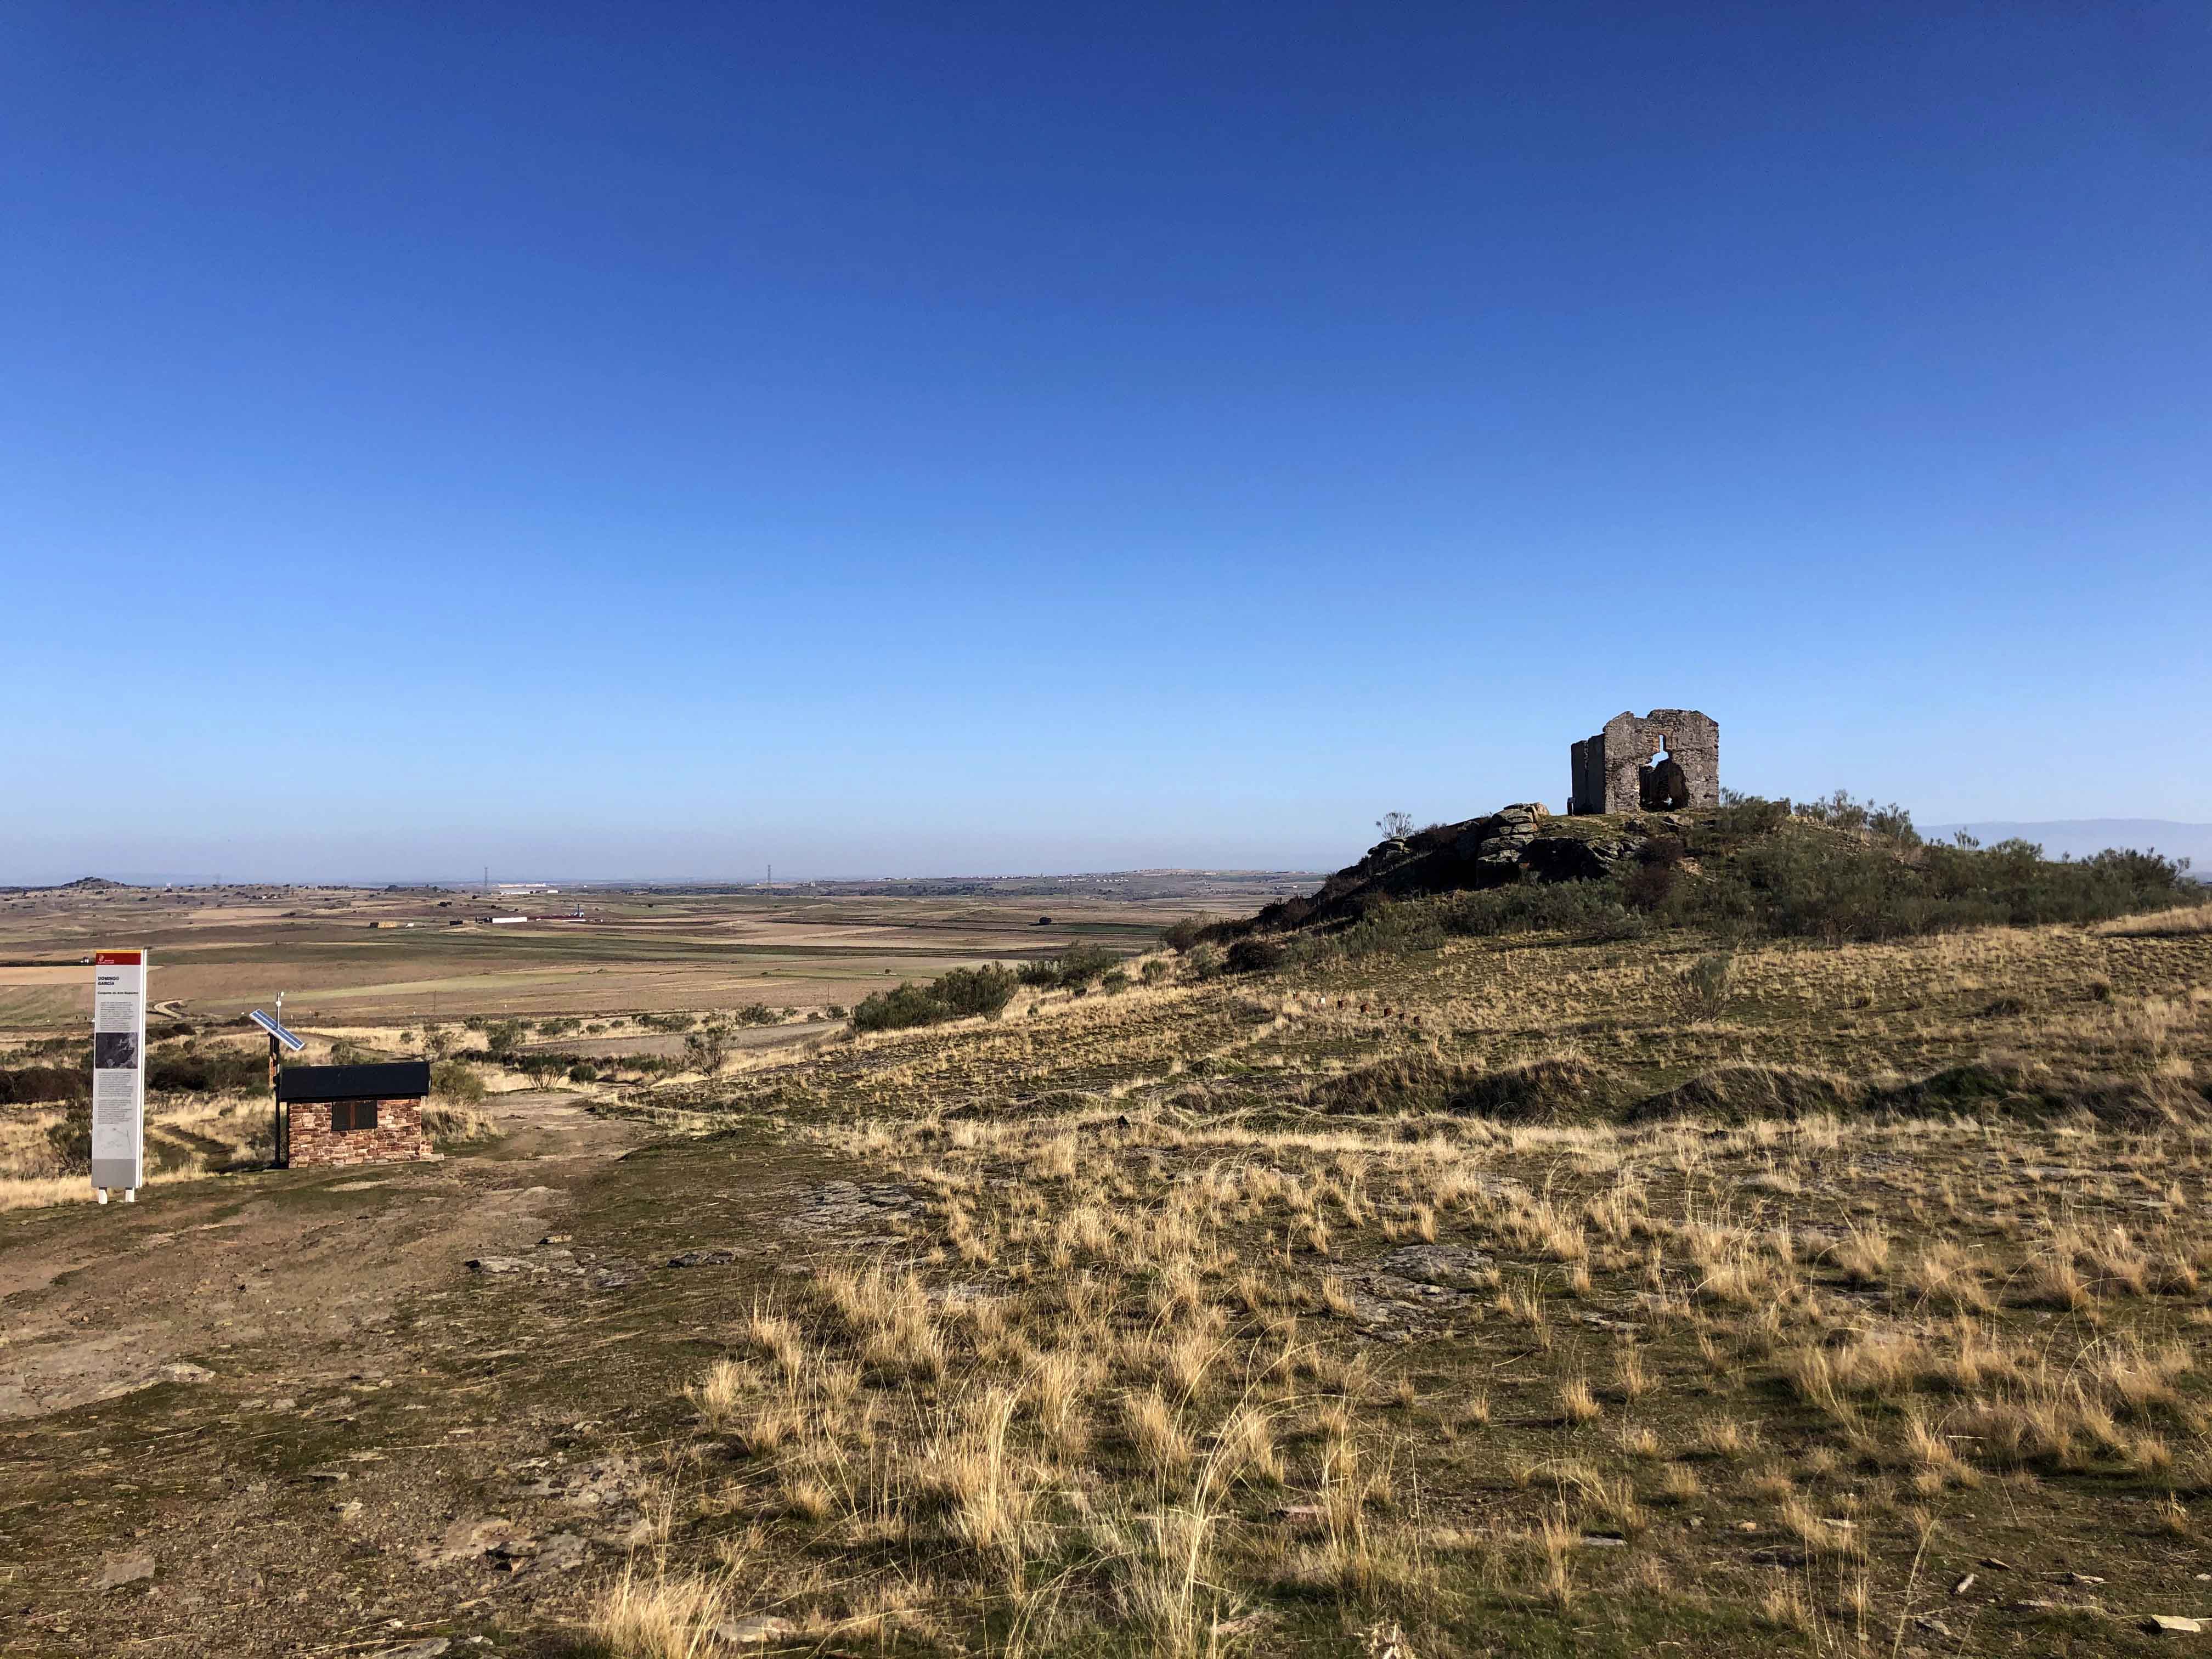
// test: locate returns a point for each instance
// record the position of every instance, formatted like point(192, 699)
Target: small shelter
point(353, 1113)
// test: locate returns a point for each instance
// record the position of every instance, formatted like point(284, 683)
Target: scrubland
point(1585, 1286)
point(1525, 1295)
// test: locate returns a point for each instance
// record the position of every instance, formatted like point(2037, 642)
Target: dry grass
point(1151, 1360)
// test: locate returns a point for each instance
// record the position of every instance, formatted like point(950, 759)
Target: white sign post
point(118, 1073)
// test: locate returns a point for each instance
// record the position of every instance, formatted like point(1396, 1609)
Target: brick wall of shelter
point(398, 1135)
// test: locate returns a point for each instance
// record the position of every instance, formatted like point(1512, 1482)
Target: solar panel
point(277, 1031)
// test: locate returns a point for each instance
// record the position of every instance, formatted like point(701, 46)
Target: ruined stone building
point(1656, 762)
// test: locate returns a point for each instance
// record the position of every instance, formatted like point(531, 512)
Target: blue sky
point(633, 441)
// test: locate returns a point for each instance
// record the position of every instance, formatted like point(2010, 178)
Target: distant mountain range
point(2080, 837)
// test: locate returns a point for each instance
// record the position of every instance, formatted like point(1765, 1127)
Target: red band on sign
point(118, 958)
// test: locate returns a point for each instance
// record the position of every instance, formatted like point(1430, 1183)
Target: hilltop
point(1835, 869)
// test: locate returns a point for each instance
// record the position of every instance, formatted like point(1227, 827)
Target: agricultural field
point(364, 955)
point(1541, 1293)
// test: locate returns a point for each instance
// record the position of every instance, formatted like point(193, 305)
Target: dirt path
point(96, 1301)
point(284, 1414)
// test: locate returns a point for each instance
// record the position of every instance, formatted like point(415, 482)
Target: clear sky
point(660, 439)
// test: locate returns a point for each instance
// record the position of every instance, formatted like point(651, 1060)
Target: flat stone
point(702, 1258)
point(466, 1541)
point(753, 1631)
point(563, 1552)
point(499, 1264)
point(117, 1570)
point(1455, 1266)
point(2167, 1624)
point(430, 1647)
point(184, 1372)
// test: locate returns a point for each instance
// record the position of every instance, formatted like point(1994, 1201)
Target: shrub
point(583, 1071)
point(706, 1050)
point(1156, 971)
point(1705, 984)
point(29, 1084)
point(1741, 815)
point(1892, 823)
point(1658, 868)
point(1255, 956)
point(1074, 967)
point(986, 990)
point(452, 1124)
point(1086, 964)
point(1810, 886)
point(198, 1071)
point(898, 1010)
point(502, 1039)
point(456, 1080)
point(1184, 934)
point(71, 1139)
point(1115, 982)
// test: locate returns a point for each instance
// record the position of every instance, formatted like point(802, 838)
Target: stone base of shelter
point(399, 1136)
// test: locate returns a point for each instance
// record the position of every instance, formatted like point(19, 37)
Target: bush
point(452, 1124)
point(29, 1084)
point(1658, 868)
point(1810, 885)
point(1184, 934)
point(1086, 964)
point(1705, 984)
point(71, 1139)
point(1741, 815)
point(1890, 824)
point(705, 1051)
point(1255, 956)
point(1073, 969)
point(197, 1072)
point(456, 1080)
point(1115, 982)
point(956, 994)
point(899, 1010)
point(1156, 971)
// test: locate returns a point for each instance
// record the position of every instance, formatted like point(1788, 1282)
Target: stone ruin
point(1660, 761)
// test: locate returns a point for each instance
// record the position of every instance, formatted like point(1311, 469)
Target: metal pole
point(276, 1109)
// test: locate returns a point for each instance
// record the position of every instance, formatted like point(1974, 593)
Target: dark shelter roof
point(302, 1083)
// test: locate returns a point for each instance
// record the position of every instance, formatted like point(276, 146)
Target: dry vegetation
point(1528, 1292)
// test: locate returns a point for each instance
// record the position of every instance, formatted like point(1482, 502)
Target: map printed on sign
point(119, 1070)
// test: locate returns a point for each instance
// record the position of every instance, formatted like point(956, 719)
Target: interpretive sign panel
point(118, 1069)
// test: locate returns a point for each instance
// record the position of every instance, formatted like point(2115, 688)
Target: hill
point(1834, 870)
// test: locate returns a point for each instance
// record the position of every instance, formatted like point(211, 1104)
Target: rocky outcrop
point(1520, 842)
